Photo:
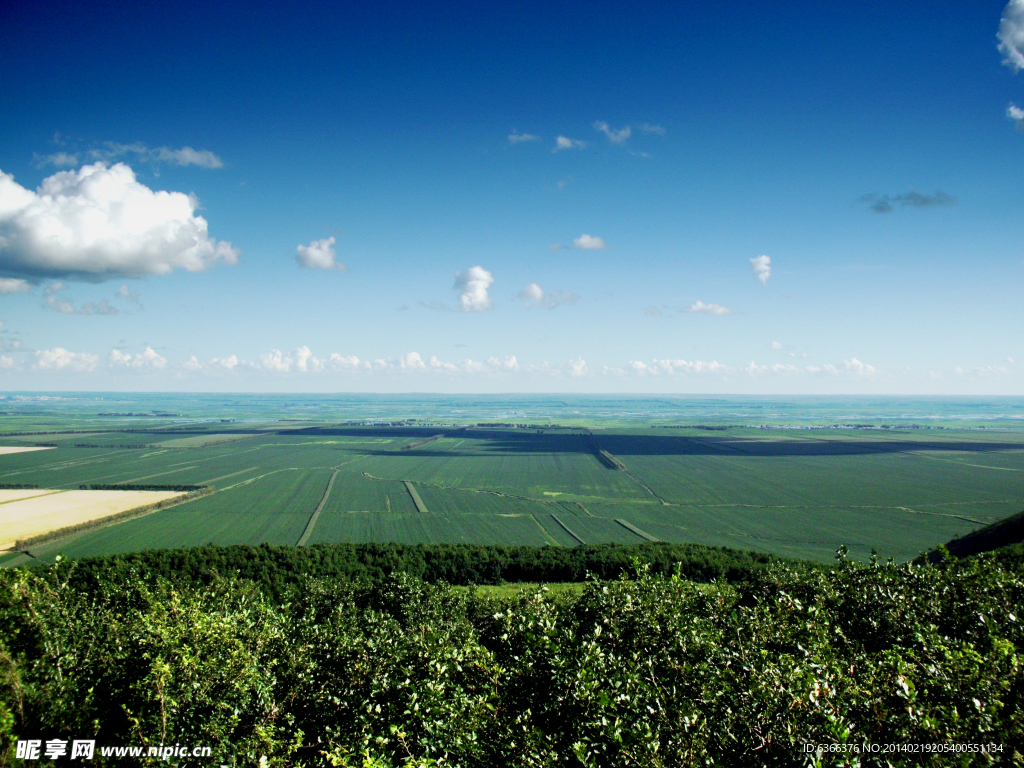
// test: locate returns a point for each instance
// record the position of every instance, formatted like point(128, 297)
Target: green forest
point(360, 663)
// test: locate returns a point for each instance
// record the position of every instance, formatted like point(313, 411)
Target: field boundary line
point(37, 496)
point(225, 477)
point(567, 529)
point(630, 527)
point(547, 535)
point(316, 514)
point(158, 474)
point(415, 497)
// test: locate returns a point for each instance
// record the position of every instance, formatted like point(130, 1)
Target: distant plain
point(897, 476)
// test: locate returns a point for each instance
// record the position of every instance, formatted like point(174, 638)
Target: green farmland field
point(792, 491)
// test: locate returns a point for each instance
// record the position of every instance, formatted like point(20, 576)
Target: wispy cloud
point(761, 267)
point(58, 159)
point(1011, 35)
point(203, 158)
point(563, 142)
point(648, 128)
point(535, 296)
point(912, 199)
point(615, 137)
point(701, 308)
point(519, 138)
point(589, 243)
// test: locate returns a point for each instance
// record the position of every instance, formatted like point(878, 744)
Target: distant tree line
point(136, 487)
point(280, 571)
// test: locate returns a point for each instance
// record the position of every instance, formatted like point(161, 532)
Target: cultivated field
point(798, 492)
point(49, 510)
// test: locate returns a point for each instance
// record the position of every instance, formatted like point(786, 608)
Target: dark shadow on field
point(526, 442)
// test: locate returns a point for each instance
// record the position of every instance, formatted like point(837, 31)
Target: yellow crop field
point(23, 448)
point(16, 494)
point(50, 510)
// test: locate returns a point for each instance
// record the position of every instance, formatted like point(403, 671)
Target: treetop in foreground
point(650, 671)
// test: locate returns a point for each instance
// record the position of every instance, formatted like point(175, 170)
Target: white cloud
point(535, 296)
point(9, 285)
point(319, 254)
point(412, 362)
point(301, 359)
point(589, 243)
point(555, 246)
point(615, 137)
point(856, 367)
point(100, 222)
point(184, 156)
point(508, 364)
point(563, 142)
point(776, 345)
point(59, 359)
point(518, 138)
point(671, 367)
point(1016, 114)
point(578, 367)
point(472, 285)
point(761, 267)
point(224, 363)
point(192, 364)
point(147, 360)
point(709, 309)
point(1011, 35)
point(6, 363)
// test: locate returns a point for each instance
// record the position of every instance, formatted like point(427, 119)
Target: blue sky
point(460, 156)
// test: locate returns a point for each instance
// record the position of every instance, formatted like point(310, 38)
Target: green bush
point(651, 671)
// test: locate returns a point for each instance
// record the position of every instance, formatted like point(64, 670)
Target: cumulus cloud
point(1011, 35)
point(147, 360)
point(99, 222)
point(912, 199)
point(1016, 114)
point(856, 367)
point(203, 158)
point(319, 254)
point(9, 285)
point(776, 345)
point(59, 359)
point(709, 309)
point(762, 267)
point(589, 243)
point(472, 286)
point(615, 137)
point(519, 138)
point(535, 296)
point(301, 360)
point(578, 367)
point(6, 363)
point(671, 367)
point(563, 142)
